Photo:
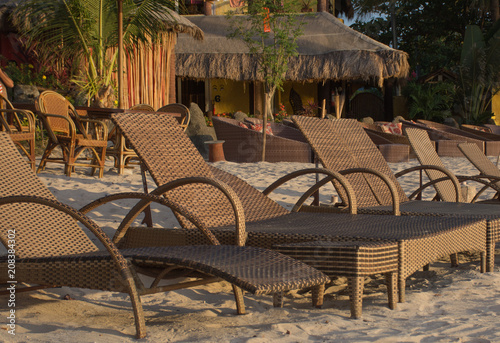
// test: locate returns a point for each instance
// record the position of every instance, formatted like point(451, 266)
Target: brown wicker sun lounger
point(49, 249)
point(342, 145)
point(286, 144)
point(491, 147)
point(421, 240)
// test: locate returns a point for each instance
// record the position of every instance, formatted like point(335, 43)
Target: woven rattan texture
point(52, 103)
point(169, 155)
point(39, 236)
point(338, 151)
point(489, 145)
point(478, 159)
point(419, 140)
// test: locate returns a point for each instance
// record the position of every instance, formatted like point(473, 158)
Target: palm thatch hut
point(327, 50)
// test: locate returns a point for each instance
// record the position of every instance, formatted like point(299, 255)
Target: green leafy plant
point(85, 33)
point(479, 73)
point(26, 74)
point(432, 101)
point(270, 33)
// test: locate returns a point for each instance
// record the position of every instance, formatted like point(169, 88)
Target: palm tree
point(366, 6)
point(488, 6)
point(85, 33)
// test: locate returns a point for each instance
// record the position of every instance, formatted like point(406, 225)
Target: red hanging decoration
point(267, 27)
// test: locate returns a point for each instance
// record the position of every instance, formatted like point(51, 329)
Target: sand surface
point(443, 305)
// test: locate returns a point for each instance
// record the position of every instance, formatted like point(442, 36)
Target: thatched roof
point(174, 22)
point(327, 49)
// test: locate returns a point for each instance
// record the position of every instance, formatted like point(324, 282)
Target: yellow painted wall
point(232, 95)
point(495, 107)
point(308, 93)
point(235, 96)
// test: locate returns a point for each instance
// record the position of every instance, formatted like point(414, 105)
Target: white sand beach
point(443, 304)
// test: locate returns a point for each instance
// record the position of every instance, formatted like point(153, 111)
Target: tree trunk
point(393, 23)
point(270, 90)
point(495, 10)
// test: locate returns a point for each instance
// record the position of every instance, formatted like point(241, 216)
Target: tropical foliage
point(429, 101)
point(271, 37)
point(479, 73)
point(85, 33)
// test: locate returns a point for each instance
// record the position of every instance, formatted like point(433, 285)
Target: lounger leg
point(401, 288)
point(356, 285)
point(240, 303)
point(392, 292)
point(317, 294)
point(278, 299)
point(454, 260)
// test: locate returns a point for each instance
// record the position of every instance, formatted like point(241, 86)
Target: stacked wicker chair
point(51, 250)
point(171, 158)
point(343, 145)
point(75, 135)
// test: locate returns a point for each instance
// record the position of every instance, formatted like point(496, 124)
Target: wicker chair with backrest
point(344, 146)
point(170, 156)
point(184, 114)
point(73, 134)
point(52, 250)
point(296, 102)
point(21, 125)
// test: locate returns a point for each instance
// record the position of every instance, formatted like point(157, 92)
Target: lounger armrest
point(330, 176)
point(222, 187)
point(390, 184)
point(120, 261)
point(146, 200)
point(448, 176)
point(488, 181)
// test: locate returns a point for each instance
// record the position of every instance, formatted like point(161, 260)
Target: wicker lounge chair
point(51, 250)
point(343, 145)
point(72, 133)
point(173, 157)
point(20, 124)
point(242, 144)
point(482, 163)
point(445, 142)
point(491, 147)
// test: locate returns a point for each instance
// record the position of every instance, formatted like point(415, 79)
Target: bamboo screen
point(147, 78)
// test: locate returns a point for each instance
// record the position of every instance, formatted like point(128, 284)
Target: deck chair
point(51, 250)
point(184, 114)
point(344, 146)
point(482, 163)
point(20, 124)
point(75, 135)
point(170, 157)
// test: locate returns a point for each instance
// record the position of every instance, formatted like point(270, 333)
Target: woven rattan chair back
point(168, 154)
point(343, 144)
point(478, 159)
point(39, 236)
point(54, 103)
point(185, 115)
point(143, 107)
point(427, 155)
